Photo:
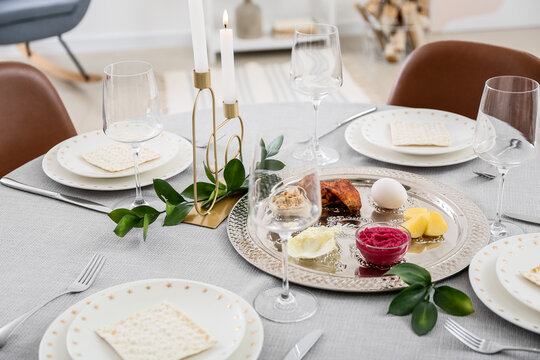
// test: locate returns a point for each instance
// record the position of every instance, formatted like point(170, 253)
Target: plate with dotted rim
point(376, 129)
point(69, 155)
point(53, 343)
point(181, 161)
point(524, 256)
point(484, 281)
point(345, 269)
point(208, 306)
point(356, 140)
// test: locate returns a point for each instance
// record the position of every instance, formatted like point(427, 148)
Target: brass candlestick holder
point(202, 81)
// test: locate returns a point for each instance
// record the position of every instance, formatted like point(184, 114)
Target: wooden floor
point(83, 100)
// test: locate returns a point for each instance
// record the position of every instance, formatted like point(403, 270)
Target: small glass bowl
point(383, 255)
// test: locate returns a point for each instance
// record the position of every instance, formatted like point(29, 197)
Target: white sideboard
point(321, 10)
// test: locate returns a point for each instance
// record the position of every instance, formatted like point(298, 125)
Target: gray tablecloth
point(44, 243)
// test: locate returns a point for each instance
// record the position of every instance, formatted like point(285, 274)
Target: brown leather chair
point(450, 75)
point(32, 116)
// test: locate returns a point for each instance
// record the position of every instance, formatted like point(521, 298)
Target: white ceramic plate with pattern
point(356, 140)
point(486, 285)
point(523, 257)
point(208, 306)
point(53, 343)
point(176, 165)
point(69, 154)
point(376, 129)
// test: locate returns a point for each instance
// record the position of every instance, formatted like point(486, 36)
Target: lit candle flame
point(225, 18)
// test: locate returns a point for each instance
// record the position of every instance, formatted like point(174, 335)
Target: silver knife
point(304, 345)
point(54, 195)
point(365, 112)
point(523, 217)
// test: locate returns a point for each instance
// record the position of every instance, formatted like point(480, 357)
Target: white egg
point(388, 193)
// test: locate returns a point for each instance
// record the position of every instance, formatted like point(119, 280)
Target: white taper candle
point(198, 35)
point(227, 62)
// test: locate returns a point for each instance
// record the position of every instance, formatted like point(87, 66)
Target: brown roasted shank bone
point(341, 192)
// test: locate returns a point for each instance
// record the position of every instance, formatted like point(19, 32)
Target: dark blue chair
point(23, 21)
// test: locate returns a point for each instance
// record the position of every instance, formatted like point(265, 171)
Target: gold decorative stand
point(202, 81)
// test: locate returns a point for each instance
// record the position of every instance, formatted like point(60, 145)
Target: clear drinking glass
point(284, 198)
point(505, 134)
point(316, 71)
point(131, 111)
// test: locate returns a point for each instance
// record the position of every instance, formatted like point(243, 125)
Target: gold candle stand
point(202, 81)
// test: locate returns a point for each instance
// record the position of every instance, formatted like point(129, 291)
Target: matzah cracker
point(158, 333)
point(410, 133)
point(115, 157)
point(532, 275)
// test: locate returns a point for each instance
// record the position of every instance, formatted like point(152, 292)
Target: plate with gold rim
point(208, 306)
point(345, 269)
point(52, 168)
point(524, 256)
point(356, 140)
point(376, 129)
point(53, 343)
point(486, 285)
point(69, 155)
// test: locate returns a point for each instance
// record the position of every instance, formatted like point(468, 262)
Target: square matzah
point(159, 332)
point(409, 133)
point(532, 274)
point(115, 157)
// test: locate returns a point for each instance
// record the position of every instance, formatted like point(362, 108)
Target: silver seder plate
point(345, 269)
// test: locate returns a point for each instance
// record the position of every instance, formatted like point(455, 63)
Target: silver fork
point(486, 175)
point(85, 279)
point(477, 344)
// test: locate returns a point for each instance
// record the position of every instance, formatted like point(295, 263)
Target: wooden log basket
point(398, 25)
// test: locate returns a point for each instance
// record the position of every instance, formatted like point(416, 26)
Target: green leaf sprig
point(178, 205)
point(415, 299)
point(269, 151)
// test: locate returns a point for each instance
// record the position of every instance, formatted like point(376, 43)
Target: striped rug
point(255, 83)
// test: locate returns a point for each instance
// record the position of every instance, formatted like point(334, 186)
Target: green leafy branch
point(415, 299)
point(178, 205)
point(269, 151)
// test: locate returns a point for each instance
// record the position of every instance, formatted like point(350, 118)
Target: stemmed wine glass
point(316, 71)
point(505, 133)
point(131, 112)
point(284, 198)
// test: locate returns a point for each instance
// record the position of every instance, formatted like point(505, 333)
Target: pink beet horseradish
point(382, 243)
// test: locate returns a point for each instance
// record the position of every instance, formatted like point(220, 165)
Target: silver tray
point(345, 270)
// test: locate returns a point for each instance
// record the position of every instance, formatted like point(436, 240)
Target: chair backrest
point(32, 116)
point(450, 75)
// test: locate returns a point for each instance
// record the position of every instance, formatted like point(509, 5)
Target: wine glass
point(505, 133)
point(284, 198)
point(316, 71)
point(131, 112)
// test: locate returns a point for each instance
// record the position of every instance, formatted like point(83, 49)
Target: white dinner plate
point(524, 256)
point(53, 343)
point(376, 130)
point(486, 285)
point(208, 306)
point(176, 165)
point(69, 154)
point(356, 140)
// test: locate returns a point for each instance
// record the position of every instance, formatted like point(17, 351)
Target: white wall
point(132, 23)
point(471, 15)
point(132, 18)
point(116, 24)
